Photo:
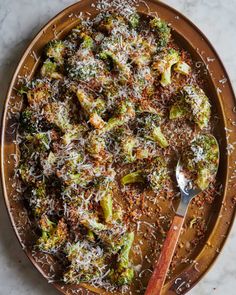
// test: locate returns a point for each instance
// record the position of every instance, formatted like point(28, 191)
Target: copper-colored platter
point(220, 213)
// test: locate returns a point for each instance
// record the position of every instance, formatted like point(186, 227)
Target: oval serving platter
point(220, 214)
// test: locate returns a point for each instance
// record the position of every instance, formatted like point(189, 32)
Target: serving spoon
point(188, 192)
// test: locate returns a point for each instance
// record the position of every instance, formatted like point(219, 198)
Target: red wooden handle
point(161, 268)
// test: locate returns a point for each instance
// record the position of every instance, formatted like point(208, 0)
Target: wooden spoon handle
point(162, 266)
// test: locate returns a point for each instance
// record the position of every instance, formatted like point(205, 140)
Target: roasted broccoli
point(128, 143)
point(39, 142)
point(73, 134)
point(26, 174)
point(163, 31)
point(105, 191)
point(50, 70)
point(95, 144)
point(124, 273)
point(164, 65)
point(38, 93)
point(38, 200)
point(134, 177)
point(194, 104)
point(72, 171)
point(57, 113)
point(56, 50)
point(155, 175)
point(110, 233)
point(96, 121)
point(117, 65)
point(94, 108)
point(182, 68)
point(53, 235)
point(134, 20)
point(178, 110)
point(106, 204)
point(111, 22)
point(149, 126)
point(48, 164)
point(28, 121)
point(86, 262)
point(124, 113)
point(202, 157)
point(87, 41)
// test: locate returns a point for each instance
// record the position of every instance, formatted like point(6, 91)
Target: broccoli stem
point(106, 204)
point(125, 251)
point(133, 177)
point(159, 137)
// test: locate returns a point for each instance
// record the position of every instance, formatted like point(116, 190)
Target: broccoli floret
point(92, 224)
point(141, 60)
point(154, 175)
point(53, 235)
point(87, 41)
point(87, 262)
point(110, 22)
point(23, 90)
point(110, 57)
point(71, 174)
point(134, 20)
point(195, 97)
point(165, 64)
point(123, 114)
point(110, 234)
point(50, 70)
point(87, 70)
point(142, 153)
point(28, 121)
point(92, 107)
point(114, 63)
point(125, 277)
point(90, 236)
point(34, 144)
point(203, 177)
point(39, 142)
point(38, 93)
point(193, 104)
point(73, 134)
point(202, 157)
point(163, 31)
point(128, 144)
point(57, 113)
point(81, 179)
point(182, 68)
point(38, 200)
point(124, 273)
point(149, 124)
point(26, 174)
point(157, 174)
point(48, 163)
point(56, 50)
point(95, 144)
